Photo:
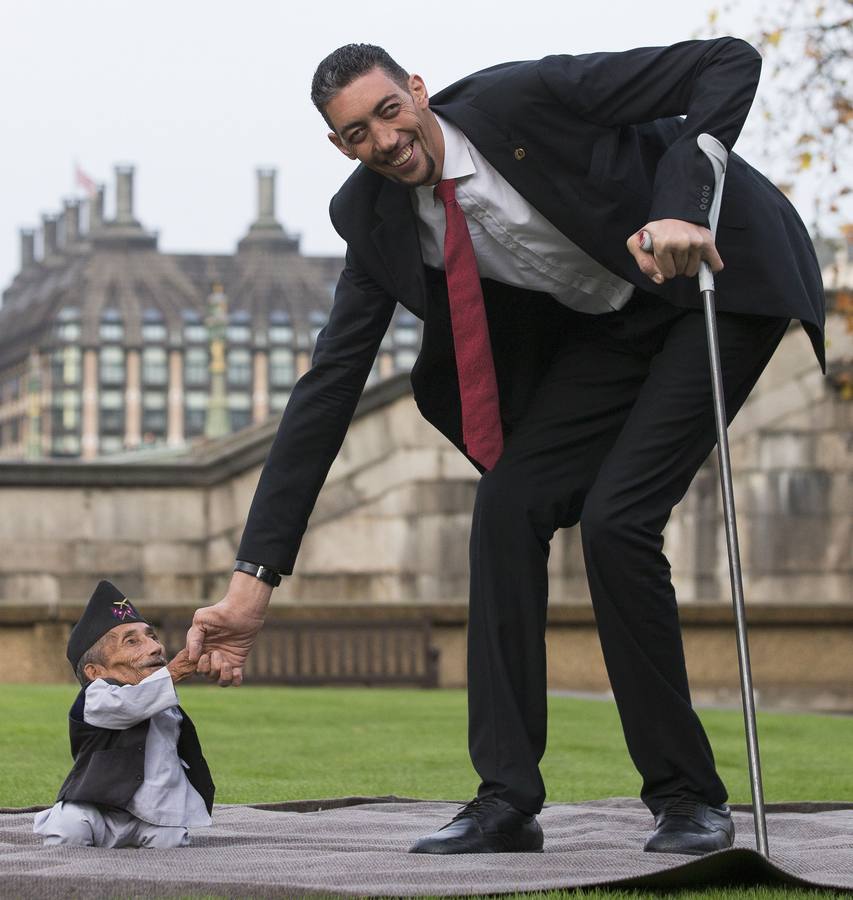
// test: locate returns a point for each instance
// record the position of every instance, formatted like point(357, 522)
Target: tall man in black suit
point(600, 364)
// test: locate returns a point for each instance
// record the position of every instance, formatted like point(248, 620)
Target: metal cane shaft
point(736, 576)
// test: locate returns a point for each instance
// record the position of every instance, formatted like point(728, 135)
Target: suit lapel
point(517, 158)
point(396, 240)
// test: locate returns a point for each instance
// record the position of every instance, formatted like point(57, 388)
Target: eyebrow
point(149, 632)
point(374, 112)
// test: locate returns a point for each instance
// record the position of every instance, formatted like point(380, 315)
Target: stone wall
point(390, 532)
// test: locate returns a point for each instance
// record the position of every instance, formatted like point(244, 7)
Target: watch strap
point(262, 573)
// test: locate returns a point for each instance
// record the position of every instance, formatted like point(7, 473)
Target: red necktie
point(478, 387)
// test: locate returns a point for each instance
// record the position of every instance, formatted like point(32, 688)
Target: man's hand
point(222, 635)
point(181, 666)
point(679, 247)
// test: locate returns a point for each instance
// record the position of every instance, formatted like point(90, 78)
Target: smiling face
point(388, 128)
point(129, 652)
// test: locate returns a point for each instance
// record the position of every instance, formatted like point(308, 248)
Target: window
point(282, 367)
point(239, 327)
point(281, 334)
point(406, 335)
point(153, 326)
point(65, 366)
point(281, 329)
point(196, 334)
point(239, 366)
point(195, 413)
point(404, 360)
point(66, 412)
point(70, 409)
point(155, 366)
point(278, 401)
point(66, 445)
point(112, 365)
point(239, 410)
point(110, 444)
point(112, 412)
point(67, 326)
point(196, 366)
point(111, 328)
point(153, 413)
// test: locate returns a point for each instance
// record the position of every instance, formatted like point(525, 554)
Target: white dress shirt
point(166, 796)
point(513, 242)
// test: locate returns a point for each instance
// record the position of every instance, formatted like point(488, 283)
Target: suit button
point(139, 778)
point(703, 206)
point(706, 187)
point(140, 749)
point(519, 153)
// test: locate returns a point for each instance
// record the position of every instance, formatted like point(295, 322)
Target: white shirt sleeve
point(121, 706)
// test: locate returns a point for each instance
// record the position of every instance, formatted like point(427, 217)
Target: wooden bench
point(335, 651)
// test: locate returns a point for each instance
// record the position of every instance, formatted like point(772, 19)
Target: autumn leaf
point(805, 160)
point(773, 37)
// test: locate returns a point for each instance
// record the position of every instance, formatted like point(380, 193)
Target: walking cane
point(718, 156)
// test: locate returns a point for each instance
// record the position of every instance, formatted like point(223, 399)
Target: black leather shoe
point(692, 827)
point(485, 825)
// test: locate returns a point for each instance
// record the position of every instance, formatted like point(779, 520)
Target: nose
point(385, 138)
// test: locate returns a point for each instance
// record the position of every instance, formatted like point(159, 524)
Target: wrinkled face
point(130, 653)
point(388, 128)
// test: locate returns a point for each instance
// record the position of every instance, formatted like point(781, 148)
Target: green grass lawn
point(268, 744)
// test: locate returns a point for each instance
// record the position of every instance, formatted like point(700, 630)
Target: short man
point(139, 776)
point(587, 398)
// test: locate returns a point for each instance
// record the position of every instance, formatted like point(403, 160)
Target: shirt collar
point(458, 161)
point(457, 157)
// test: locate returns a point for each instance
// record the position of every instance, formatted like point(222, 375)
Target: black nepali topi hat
point(107, 608)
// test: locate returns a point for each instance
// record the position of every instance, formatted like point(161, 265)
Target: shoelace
point(474, 808)
point(683, 806)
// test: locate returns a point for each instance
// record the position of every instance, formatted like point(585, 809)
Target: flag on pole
point(84, 181)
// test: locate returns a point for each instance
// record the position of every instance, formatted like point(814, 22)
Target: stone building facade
point(108, 344)
point(388, 541)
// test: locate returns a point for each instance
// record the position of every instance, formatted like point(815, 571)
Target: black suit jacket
point(597, 144)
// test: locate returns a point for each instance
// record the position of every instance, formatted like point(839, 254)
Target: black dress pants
point(613, 437)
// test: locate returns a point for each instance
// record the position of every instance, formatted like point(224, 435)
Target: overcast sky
point(197, 95)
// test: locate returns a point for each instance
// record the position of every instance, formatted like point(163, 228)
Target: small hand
point(181, 666)
point(679, 248)
point(222, 635)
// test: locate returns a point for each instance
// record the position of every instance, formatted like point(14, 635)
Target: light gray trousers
point(87, 825)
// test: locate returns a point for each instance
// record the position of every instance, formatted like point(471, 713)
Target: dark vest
point(109, 766)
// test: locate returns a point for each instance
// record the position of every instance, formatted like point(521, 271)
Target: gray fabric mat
point(357, 846)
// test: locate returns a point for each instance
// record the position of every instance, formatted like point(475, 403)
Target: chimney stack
point(48, 234)
point(265, 232)
point(124, 196)
point(71, 222)
point(266, 198)
point(96, 210)
point(28, 248)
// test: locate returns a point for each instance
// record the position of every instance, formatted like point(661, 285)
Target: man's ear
point(93, 671)
point(419, 92)
point(341, 146)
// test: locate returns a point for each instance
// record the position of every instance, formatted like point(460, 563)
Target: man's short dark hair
point(347, 63)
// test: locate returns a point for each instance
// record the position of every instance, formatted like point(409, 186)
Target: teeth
point(404, 157)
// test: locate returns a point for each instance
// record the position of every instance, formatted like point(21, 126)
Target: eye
point(355, 137)
point(391, 110)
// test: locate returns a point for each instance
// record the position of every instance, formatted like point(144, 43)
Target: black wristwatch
point(262, 573)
